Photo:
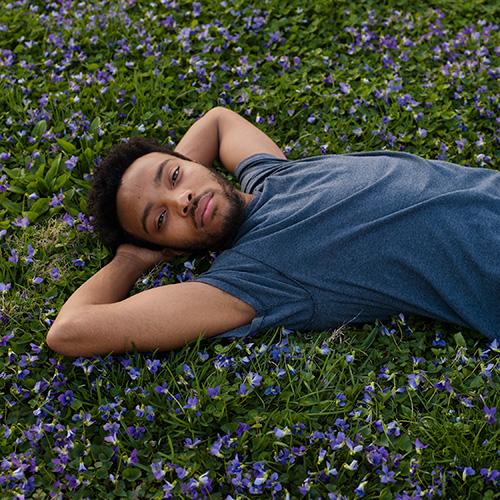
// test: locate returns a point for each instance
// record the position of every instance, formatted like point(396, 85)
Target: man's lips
point(201, 209)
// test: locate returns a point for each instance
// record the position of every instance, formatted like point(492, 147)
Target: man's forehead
point(144, 166)
point(149, 160)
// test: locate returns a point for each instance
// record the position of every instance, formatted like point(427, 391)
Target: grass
point(400, 409)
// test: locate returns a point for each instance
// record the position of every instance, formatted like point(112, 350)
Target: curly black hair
point(107, 177)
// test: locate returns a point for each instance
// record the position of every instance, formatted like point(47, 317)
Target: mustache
point(194, 204)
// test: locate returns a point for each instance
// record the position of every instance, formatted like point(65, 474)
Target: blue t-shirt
point(342, 239)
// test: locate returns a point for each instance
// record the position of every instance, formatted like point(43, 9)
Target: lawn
point(404, 408)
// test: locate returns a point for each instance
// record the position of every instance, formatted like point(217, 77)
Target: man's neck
point(247, 198)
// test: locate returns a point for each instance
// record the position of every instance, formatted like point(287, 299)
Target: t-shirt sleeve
point(276, 299)
point(252, 171)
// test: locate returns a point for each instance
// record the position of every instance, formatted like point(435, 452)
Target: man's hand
point(143, 259)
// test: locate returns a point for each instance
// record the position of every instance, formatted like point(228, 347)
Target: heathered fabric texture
point(343, 239)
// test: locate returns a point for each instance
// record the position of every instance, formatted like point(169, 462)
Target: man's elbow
point(65, 338)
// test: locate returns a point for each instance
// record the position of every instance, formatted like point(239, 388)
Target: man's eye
point(175, 175)
point(161, 220)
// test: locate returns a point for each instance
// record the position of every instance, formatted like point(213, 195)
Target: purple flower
point(254, 379)
point(376, 455)
point(222, 362)
point(304, 489)
point(360, 490)
point(340, 398)
point(5, 339)
point(14, 258)
point(133, 459)
point(466, 401)
point(414, 380)
point(192, 403)
point(162, 389)
point(78, 262)
point(443, 385)
point(460, 143)
point(378, 424)
point(134, 373)
point(393, 429)
point(136, 432)
point(85, 224)
point(490, 474)
point(213, 392)
point(188, 372)
point(29, 257)
point(72, 481)
point(242, 428)
point(113, 428)
point(468, 471)
point(68, 219)
point(387, 475)
point(486, 372)
point(5, 287)
point(21, 222)
point(153, 365)
point(57, 199)
point(438, 341)
point(157, 470)
point(54, 273)
point(419, 445)
point(280, 433)
point(37, 280)
point(489, 414)
point(190, 444)
point(196, 9)
point(224, 441)
point(4, 185)
point(274, 37)
point(147, 411)
point(272, 390)
point(66, 398)
point(345, 88)
point(71, 163)
point(352, 466)
point(180, 471)
point(203, 355)
point(341, 424)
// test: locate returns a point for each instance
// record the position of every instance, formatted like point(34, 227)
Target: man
point(309, 244)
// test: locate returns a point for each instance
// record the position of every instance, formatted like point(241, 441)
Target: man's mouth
point(204, 209)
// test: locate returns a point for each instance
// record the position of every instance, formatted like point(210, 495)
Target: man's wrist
point(129, 264)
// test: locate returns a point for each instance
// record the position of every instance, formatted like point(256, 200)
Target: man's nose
point(183, 202)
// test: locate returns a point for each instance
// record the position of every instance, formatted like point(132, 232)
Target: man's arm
point(98, 318)
point(224, 135)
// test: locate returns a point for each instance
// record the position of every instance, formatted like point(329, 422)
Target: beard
point(234, 217)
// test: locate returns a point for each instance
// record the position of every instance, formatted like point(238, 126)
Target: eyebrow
point(156, 182)
point(159, 173)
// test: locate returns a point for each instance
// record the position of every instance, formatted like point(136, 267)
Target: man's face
point(178, 204)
